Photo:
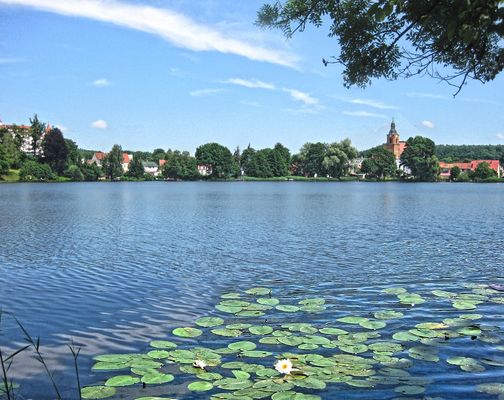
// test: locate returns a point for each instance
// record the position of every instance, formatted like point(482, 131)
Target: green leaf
point(242, 346)
point(157, 379)
point(187, 332)
point(200, 386)
point(162, 344)
point(97, 392)
point(208, 322)
point(260, 329)
point(122, 380)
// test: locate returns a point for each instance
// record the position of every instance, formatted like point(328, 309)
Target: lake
point(111, 267)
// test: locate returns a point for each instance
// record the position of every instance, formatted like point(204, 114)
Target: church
point(394, 144)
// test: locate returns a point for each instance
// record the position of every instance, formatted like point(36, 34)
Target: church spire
point(392, 128)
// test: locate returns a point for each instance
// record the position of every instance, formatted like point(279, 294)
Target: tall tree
point(246, 159)
point(180, 166)
point(221, 159)
point(37, 130)
point(337, 158)
point(418, 156)
point(112, 165)
point(483, 171)
point(392, 38)
point(11, 148)
point(136, 169)
point(55, 151)
point(380, 163)
point(282, 158)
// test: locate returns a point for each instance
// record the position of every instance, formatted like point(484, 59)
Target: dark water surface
point(113, 266)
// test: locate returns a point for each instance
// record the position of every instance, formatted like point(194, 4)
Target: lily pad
point(200, 386)
point(242, 346)
point(287, 308)
point(260, 291)
point(227, 332)
point(187, 332)
point(268, 301)
point(122, 380)
point(208, 322)
point(157, 379)
point(97, 392)
point(352, 320)
point(162, 344)
point(260, 329)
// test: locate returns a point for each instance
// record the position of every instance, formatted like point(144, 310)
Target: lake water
point(113, 266)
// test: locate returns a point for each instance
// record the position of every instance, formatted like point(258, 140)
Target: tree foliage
point(454, 173)
point(221, 159)
point(136, 169)
point(112, 164)
point(55, 150)
point(380, 163)
point(324, 159)
point(36, 132)
point(180, 165)
point(392, 38)
point(483, 171)
point(464, 153)
point(419, 157)
point(34, 171)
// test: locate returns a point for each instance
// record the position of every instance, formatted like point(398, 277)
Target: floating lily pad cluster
point(254, 330)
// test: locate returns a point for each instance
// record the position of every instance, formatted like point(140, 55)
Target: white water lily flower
point(199, 364)
point(284, 366)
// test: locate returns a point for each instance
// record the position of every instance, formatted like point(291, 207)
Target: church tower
point(394, 144)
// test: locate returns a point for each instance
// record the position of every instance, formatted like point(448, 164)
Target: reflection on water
point(112, 266)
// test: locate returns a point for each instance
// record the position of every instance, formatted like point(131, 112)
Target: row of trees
point(462, 153)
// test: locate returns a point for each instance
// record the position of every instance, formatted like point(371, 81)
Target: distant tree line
point(460, 153)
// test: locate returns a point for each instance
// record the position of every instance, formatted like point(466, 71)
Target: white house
point(205, 169)
point(150, 168)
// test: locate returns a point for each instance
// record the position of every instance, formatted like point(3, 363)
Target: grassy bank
point(12, 176)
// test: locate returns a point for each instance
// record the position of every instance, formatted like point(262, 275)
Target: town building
point(466, 167)
point(99, 157)
point(24, 131)
point(394, 144)
point(150, 168)
point(205, 169)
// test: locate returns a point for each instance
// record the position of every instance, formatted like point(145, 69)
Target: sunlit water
point(111, 267)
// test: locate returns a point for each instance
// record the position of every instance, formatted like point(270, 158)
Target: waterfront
point(114, 266)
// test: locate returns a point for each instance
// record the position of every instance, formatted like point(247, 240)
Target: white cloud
point(373, 103)
point(428, 124)
point(426, 95)
point(500, 136)
point(364, 114)
point(99, 124)
point(252, 84)
point(175, 28)
point(62, 128)
point(302, 96)
point(205, 92)
point(101, 82)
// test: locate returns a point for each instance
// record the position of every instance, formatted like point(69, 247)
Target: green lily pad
point(259, 291)
point(394, 290)
point(287, 308)
point(232, 295)
point(333, 331)
point(247, 313)
point(158, 354)
point(109, 366)
point(228, 309)
point(162, 344)
point(352, 320)
point(227, 332)
point(312, 302)
point(157, 379)
point(97, 392)
point(122, 380)
point(268, 301)
point(491, 388)
point(310, 383)
point(469, 331)
point(256, 353)
point(187, 332)
point(209, 322)
point(200, 386)
point(260, 330)
point(388, 314)
point(409, 389)
point(373, 324)
point(242, 346)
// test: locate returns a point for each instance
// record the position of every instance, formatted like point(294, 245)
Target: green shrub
point(32, 171)
point(74, 173)
point(4, 167)
point(463, 177)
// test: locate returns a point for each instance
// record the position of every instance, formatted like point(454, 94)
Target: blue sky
point(177, 74)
